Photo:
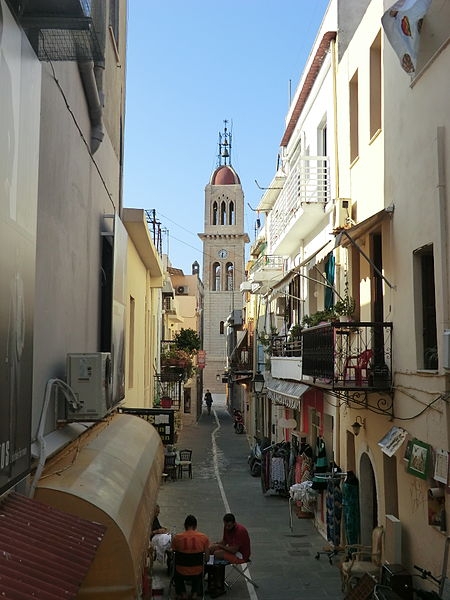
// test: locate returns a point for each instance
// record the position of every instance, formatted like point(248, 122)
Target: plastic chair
point(185, 559)
point(185, 463)
point(356, 368)
point(362, 560)
point(170, 466)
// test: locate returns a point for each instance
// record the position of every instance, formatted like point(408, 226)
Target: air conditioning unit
point(343, 214)
point(182, 290)
point(90, 378)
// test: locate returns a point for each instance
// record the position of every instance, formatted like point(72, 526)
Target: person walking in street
point(190, 541)
point(234, 547)
point(208, 401)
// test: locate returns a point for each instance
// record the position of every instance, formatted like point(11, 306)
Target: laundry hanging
point(350, 504)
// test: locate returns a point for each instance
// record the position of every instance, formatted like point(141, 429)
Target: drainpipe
point(337, 189)
point(443, 230)
point(92, 78)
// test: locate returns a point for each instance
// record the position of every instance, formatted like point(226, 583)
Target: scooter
point(238, 421)
point(254, 458)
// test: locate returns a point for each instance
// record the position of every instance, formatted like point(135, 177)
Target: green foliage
point(319, 317)
point(345, 307)
point(188, 340)
point(295, 332)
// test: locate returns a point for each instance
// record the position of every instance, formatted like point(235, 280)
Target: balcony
point(266, 268)
point(301, 204)
point(354, 356)
point(60, 30)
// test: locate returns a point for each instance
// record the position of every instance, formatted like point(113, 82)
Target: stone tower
point(224, 242)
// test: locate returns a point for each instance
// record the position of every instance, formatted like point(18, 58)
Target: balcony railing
point(349, 356)
point(267, 262)
point(307, 183)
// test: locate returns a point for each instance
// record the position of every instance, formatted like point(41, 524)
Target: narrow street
point(284, 563)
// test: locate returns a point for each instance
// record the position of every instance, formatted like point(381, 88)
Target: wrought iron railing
point(267, 262)
point(349, 356)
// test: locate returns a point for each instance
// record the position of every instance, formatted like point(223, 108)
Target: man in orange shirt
point(190, 541)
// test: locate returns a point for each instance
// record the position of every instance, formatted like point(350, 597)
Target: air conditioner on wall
point(343, 213)
point(182, 290)
point(89, 375)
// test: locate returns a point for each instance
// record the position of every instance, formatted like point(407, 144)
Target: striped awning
point(44, 552)
point(285, 392)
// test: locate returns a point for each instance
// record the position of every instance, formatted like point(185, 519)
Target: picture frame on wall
point(419, 459)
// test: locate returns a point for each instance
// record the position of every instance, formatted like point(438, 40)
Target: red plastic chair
point(356, 368)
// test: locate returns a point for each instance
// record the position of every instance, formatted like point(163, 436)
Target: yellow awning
point(110, 475)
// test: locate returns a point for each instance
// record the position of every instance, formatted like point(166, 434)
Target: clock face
point(222, 253)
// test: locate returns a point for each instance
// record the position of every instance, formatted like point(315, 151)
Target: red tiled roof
point(44, 553)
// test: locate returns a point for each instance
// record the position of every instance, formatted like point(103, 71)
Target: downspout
point(337, 449)
point(443, 229)
point(92, 78)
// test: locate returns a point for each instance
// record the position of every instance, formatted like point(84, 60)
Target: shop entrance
point(368, 499)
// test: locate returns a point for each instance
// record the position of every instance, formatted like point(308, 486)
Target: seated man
point(160, 537)
point(190, 541)
point(234, 547)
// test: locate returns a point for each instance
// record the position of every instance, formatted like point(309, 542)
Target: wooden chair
point(362, 560)
point(170, 466)
point(185, 463)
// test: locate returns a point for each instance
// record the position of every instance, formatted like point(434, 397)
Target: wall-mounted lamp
point(258, 382)
point(359, 422)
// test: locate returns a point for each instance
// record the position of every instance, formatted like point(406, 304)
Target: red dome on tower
point(225, 175)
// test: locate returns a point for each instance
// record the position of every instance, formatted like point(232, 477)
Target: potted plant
point(345, 307)
point(321, 316)
point(295, 332)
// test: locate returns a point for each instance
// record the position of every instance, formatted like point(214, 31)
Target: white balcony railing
point(306, 184)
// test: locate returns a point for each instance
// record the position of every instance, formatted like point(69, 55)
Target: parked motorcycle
point(254, 458)
point(238, 421)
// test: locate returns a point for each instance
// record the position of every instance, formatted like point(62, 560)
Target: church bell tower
point(224, 242)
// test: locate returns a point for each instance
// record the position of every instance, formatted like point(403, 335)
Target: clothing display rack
point(333, 481)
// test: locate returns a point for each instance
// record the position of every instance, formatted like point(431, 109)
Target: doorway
point(368, 499)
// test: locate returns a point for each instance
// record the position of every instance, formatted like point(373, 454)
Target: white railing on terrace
point(307, 183)
point(268, 262)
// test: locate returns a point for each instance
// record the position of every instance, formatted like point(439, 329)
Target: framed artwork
point(419, 459)
point(441, 466)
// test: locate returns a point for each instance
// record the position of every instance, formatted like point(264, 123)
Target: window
point(231, 214)
point(230, 277)
point(222, 327)
point(375, 86)
point(216, 277)
point(425, 308)
point(354, 134)
point(223, 213)
point(214, 213)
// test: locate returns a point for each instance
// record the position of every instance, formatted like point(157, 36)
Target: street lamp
point(358, 424)
point(258, 382)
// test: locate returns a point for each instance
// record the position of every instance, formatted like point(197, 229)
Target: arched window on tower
point(214, 213)
point(222, 327)
point(216, 277)
point(223, 213)
point(230, 277)
point(231, 214)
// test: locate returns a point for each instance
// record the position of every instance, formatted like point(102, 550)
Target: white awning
point(286, 392)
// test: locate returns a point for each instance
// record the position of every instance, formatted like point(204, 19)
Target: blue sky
point(190, 65)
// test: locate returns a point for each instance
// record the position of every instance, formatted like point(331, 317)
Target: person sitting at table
point(190, 541)
point(160, 537)
point(234, 547)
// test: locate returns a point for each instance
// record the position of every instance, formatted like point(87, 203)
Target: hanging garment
point(320, 466)
point(334, 510)
point(278, 474)
point(350, 504)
